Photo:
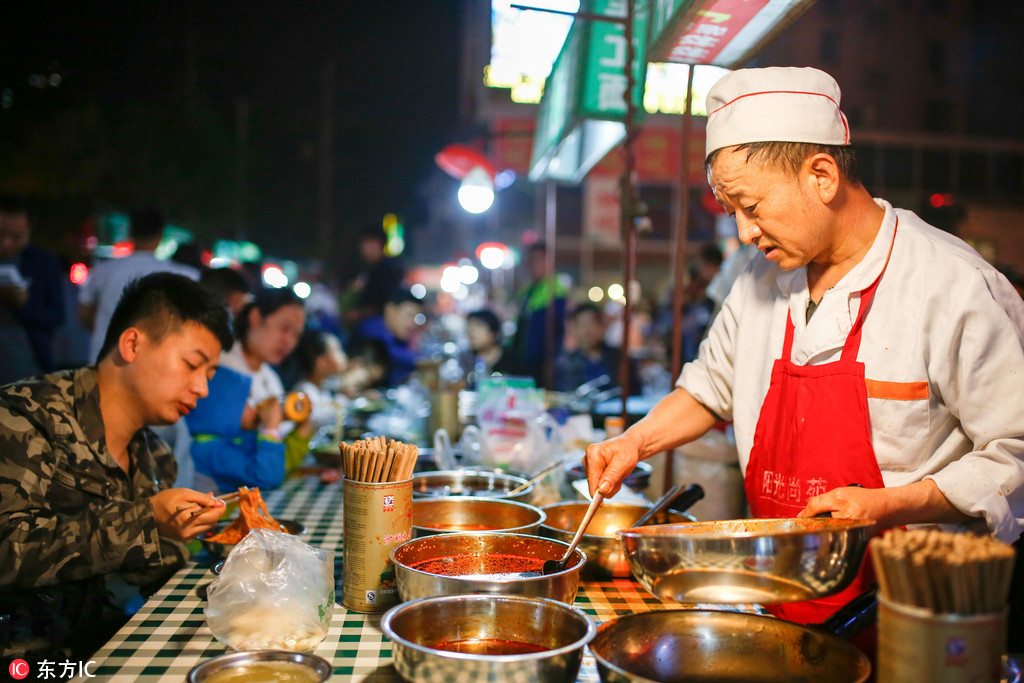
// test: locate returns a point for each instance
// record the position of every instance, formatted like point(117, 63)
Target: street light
point(476, 193)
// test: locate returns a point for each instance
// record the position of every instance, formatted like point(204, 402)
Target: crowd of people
point(180, 394)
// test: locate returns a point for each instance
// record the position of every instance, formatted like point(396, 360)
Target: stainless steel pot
point(470, 513)
point(492, 634)
point(677, 646)
point(477, 547)
point(747, 560)
point(469, 482)
point(605, 556)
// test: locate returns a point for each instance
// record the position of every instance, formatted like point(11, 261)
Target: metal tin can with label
point(378, 517)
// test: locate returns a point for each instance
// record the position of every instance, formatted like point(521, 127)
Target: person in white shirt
point(99, 295)
point(865, 347)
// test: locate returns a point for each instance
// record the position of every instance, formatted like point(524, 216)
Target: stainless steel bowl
point(222, 549)
point(701, 645)
point(414, 583)
point(495, 635)
point(605, 556)
point(469, 513)
point(469, 483)
point(303, 666)
point(748, 560)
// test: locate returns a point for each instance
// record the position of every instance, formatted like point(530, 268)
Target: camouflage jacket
point(68, 512)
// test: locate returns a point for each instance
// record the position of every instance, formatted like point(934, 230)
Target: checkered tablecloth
point(168, 635)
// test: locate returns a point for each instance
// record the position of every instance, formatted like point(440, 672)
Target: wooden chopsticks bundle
point(378, 460)
point(943, 572)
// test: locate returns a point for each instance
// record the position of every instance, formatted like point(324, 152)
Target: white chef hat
point(775, 104)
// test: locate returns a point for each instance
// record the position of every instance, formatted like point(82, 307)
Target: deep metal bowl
point(673, 646)
point(311, 668)
point(638, 480)
point(495, 636)
point(748, 560)
point(222, 549)
point(605, 556)
point(414, 583)
point(469, 483)
point(469, 513)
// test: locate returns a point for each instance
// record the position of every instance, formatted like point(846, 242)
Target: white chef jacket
point(943, 349)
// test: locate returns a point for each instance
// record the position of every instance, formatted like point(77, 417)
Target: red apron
point(814, 435)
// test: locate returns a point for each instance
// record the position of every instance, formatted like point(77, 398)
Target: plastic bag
point(274, 593)
point(515, 430)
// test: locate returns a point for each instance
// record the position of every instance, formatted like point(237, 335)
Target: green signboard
point(582, 112)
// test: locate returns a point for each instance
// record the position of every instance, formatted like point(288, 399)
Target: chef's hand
point(850, 502)
point(917, 503)
point(608, 463)
point(198, 512)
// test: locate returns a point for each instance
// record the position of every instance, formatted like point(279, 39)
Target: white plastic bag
point(274, 593)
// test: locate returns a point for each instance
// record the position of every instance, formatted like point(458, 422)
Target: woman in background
point(236, 429)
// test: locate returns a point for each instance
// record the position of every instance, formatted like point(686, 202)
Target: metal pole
point(627, 202)
point(679, 239)
point(550, 206)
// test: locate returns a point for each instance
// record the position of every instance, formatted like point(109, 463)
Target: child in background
point(317, 358)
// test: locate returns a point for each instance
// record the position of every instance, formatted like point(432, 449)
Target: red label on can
point(389, 503)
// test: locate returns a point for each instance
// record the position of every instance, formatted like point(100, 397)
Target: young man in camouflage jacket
point(85, 497)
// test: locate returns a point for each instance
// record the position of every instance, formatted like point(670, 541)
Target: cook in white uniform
point(942, 342)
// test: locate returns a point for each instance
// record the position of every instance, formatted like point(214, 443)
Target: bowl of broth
point(485, 562)
point(262, 666)
point(487, 638)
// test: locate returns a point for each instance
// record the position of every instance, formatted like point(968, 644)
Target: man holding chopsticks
point(85, 500)
point(866, 348)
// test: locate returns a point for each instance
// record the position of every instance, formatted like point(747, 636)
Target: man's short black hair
point(267, 301)
point(489, 319)
point(147, 222)
point(790, 156)
point(586, 307)
point(160, 304)
point(404, 296)
point(224, 281)
point(16, 205)
point(375, 232)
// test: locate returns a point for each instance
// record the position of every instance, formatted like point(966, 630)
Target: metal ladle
point(555, 566)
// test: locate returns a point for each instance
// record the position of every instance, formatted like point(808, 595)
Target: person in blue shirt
point(392, 331)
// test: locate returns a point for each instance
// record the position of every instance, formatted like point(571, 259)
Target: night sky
point(395, 95)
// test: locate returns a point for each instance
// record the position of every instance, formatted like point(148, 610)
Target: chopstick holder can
point(916, 644)
point(378, 517)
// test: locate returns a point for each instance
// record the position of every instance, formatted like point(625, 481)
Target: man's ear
point(824, 176)
point(129, 342)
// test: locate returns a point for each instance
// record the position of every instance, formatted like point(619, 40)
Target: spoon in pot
point(555, 566)
point(675, 498)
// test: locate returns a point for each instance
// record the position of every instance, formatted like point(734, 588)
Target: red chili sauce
point(481, 564)
point(490, 646)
